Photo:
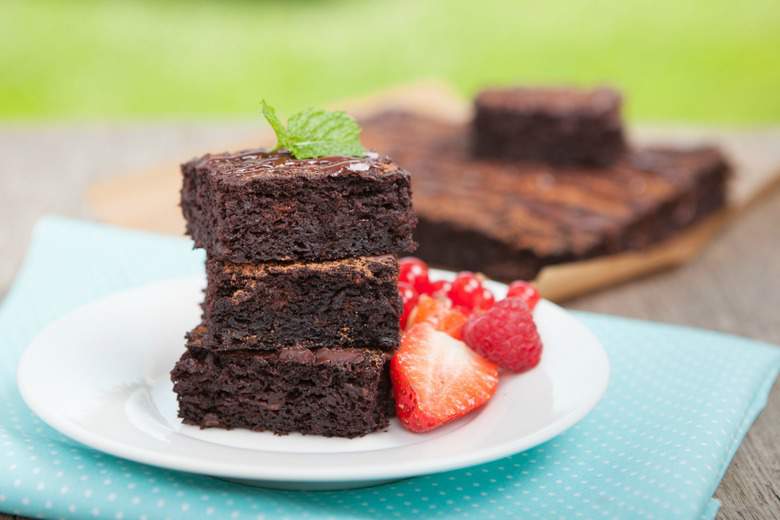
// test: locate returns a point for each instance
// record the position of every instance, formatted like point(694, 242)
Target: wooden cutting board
point(148, 200)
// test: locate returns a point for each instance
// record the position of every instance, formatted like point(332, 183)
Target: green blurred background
point(708, 61)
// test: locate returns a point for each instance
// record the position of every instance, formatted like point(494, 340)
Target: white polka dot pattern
point(678, 405)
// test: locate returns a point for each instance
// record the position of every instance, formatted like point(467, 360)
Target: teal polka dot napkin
point(678, 405)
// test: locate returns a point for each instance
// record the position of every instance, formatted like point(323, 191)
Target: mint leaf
point(270, 115)
point(316, 133)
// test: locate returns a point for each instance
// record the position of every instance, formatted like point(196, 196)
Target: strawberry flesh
point(437, 379)
point(439, 313)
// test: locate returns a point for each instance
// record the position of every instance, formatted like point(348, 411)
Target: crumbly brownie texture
point(565, 126)
point(257, 206)
point(341, 303)
point(508, 220)
point(330, 391)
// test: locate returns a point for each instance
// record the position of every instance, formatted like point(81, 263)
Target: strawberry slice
point(437, 379)
point(440, 314)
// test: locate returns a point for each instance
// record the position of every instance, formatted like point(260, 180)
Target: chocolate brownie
point(339, 392)
point(340, 303)
point(508, 220)
point(553, 125)
point(260, 206)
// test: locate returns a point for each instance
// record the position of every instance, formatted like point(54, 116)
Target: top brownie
point(556, 125)
point(259, 206)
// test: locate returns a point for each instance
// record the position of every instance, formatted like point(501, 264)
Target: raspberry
point(409, 299)
point(525, 291)
point(506, 334)
point(414, 272)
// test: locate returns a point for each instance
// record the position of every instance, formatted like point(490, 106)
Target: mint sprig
point(316, 133)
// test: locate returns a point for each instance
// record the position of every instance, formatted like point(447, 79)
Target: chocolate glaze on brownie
point(259, 206)
point(508, 220)
point(268, 306)
point(559, 125)
point(329, 391)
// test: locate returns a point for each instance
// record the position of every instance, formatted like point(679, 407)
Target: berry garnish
point(408, 298)
point(440, 314)
point(437, 379)
point(467, 292)
point(453, 322)
point(484, 300)
point(414, 272)
point(463, 289)
point(525, 291)
point(440, 288)
point(506, 335)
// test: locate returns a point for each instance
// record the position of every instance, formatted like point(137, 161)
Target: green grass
point(715, 62)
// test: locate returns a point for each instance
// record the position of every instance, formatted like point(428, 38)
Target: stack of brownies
point(301, 310)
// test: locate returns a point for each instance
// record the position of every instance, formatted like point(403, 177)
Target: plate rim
point(315, 474)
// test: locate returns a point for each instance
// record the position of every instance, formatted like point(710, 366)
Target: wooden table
point(733, 287)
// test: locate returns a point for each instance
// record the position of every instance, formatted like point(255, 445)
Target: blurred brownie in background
point(509, 219)
point(555, 125)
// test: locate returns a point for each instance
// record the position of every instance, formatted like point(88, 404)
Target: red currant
point(409, 298)
point(414, 272)
point(466, 290)
point(525, 291)
point(484, 300)
point(440, 288)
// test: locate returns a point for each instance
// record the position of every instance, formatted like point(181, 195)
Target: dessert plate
point(100, 376)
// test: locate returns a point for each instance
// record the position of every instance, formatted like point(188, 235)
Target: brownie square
point(336, 392)
point(340, 303)
point(553, 125)
point(259, 206)
point(509, 220)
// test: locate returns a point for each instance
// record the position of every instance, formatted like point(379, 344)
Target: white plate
point(100, 376)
